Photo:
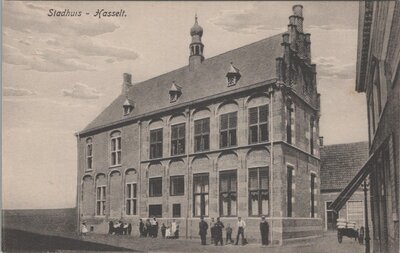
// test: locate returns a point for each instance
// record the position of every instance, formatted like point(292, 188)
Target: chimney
point(321, 141)
point(127, 83)
point(298, 14)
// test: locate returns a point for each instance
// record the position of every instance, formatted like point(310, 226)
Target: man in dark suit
point(203, 226)
point(219, 226)
point(264, 230)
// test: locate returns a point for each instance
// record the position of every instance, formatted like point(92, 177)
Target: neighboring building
point(339, 164)
point(378, 76)
point(232, 135)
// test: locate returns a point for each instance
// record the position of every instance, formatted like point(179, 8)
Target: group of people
point(119, 228)
point(216, 230)
point(151, 227)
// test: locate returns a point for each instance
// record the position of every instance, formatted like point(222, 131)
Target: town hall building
point(234, 135)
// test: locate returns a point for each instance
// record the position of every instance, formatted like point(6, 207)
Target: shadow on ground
point(18, 240)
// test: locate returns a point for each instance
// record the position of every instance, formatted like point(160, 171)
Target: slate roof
point(340, 163)
point(256, 62)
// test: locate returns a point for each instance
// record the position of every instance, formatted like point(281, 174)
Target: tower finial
point(195, 18)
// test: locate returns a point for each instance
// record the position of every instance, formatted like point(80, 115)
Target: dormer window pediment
point(233, 75)
point(128, 106)
point(174, 92)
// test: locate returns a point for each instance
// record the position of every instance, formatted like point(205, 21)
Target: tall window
point(202, 135)
point(156, 143)
point(289, 191)
point(89, 154)
point(258, 191)
point(258, 124)
point(178, 139)
point(313, 176)
point(312, 135)
point(116, 148)
point(155, 187)
point(228, 193)
point(101, 201)
point(131, 199)
point(289, 122)
point(200, 194)
point(228, 130)
point(177, 185)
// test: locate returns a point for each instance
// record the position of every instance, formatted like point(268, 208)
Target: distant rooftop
point(340, 163)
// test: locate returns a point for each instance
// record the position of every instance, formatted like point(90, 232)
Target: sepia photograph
point(200, 126)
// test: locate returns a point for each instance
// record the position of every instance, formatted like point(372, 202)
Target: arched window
point(115, 148)
point(89, 154)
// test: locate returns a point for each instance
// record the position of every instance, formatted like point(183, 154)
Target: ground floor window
point(155, 211)
point(101, 200)
point(131, 199)
point(228, 193)
point(258, 191)
point(200, 194)
point(176, 210)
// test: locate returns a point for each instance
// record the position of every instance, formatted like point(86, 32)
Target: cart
point(349, 232)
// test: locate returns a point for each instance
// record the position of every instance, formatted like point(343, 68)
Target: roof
point(256, 62)
point(340, 163)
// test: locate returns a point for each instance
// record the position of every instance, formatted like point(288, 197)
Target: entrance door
point(331, 217)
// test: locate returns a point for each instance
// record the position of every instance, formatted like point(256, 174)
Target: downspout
point(79, 186)
point(271, 93)
point(139, 167)
point(188, 172)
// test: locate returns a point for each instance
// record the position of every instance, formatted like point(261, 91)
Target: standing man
point(241, 225)
point(219, 226)
point(141, 228)
point(264, 230)
point(203, 226)
point(228, 234)
point(212, 230)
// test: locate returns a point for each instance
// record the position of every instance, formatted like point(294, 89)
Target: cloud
point(47, 60)
point(57, 44)
point(91, 47)
point(30, 17)
point(332, 67)
point(17, 92)
point(82, 91)
point(254, 18)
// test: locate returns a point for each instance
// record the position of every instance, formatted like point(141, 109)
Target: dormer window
point(174, 92)
point(233, 75)
point(128, 106)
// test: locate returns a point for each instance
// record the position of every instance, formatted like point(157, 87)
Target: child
point(163, 228)
point(228, 230)
point(168, 233)
point(84, 229)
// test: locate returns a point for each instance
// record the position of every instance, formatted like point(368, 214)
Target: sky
point(59, 73)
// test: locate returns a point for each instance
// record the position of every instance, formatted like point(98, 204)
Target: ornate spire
point(196, 47)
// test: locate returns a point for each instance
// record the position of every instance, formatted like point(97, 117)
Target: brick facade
point(292, 81)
